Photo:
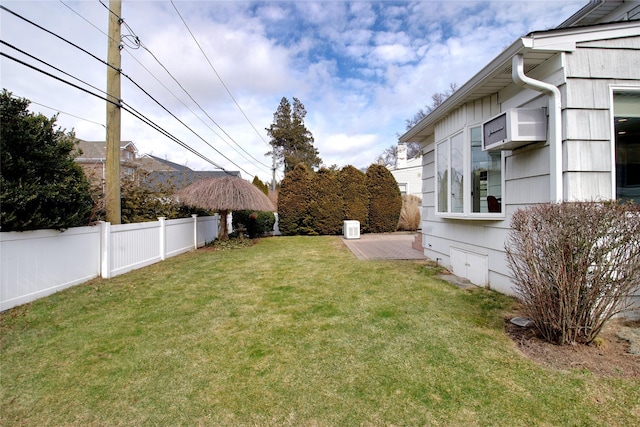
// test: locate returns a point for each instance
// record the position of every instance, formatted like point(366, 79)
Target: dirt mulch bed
point(609, 356)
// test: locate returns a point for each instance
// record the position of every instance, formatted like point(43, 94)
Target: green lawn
point(292, 331)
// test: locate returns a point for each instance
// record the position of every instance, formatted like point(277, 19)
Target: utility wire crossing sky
point(202, 79)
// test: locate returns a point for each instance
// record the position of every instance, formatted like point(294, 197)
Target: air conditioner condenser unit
point(514, 128)
point(351, 229)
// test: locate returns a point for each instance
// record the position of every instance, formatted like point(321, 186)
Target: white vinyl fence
point(34, 264)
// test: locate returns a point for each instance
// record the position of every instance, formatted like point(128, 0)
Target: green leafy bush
point(385, 200)
point(41, 186)
point(144, 199)
point(256, 224)
point(574, 265)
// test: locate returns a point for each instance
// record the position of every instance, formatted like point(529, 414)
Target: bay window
point(480, 194)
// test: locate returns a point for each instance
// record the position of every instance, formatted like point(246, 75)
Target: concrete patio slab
point(384, 246)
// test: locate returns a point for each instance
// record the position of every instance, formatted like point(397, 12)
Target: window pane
point(486, 175)
point(627, 137)
point(457, 173)
point(442, 186)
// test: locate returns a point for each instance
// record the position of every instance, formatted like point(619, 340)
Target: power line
point(49, 65)
point(106, 63)
point(139, 63)
point(216, 72)
point(67, 114)
point(183, 123)
point(140, 44)
point(126, 107)
point(85, 19)
point(192, 112)
point(55, 35)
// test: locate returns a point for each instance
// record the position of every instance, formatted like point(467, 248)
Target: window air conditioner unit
point(351, 229)
point(514, 128)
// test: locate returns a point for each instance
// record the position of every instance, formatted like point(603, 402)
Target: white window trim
point(466, 213)
point(612, 121)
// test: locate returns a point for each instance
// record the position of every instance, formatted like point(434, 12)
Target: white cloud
point(360, 68)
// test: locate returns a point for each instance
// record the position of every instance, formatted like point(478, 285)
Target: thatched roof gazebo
point(228, 193)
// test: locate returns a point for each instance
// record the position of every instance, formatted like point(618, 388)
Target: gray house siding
point(592, 70)
point(585, 78)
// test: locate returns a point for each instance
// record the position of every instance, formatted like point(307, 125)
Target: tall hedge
point(41, 185)
point(326, 205)
point(294, 202)
point(355, 194)
point(385, 200)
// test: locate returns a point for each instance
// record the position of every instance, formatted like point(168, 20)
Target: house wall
point(464, 242)
point(592, 70)
point(585, 78)
point(410, 177)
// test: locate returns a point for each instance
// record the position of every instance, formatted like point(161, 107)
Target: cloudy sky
point(221, 67)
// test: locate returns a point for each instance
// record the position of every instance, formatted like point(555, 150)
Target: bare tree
point(389, 155)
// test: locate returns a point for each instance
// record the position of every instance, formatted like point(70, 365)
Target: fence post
point(195, 230)
point(105, 250)
point(163, 238)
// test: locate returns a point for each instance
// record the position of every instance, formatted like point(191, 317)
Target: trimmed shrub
point(410, 213)
point(574, 265)
point(355, 195)
point(385, 200)
point(256, 223)
point(326, 205)
point(294, 202)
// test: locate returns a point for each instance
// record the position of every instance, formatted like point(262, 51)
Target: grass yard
point(291, 331)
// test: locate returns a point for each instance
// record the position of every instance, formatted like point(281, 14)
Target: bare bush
point(575, 265)
point(410, 213)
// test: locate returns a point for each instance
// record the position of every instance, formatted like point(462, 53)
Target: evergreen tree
point(385, 200)
point(291, 141)
point(355, 194)
point(294, 202)
point(41, 186)
point(261, 185)
point(327, 205)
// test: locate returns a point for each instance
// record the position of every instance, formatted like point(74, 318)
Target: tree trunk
point(224, 230)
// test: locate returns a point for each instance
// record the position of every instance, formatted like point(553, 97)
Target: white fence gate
point(34, 264)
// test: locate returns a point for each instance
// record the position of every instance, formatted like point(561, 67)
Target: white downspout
point(555, 122)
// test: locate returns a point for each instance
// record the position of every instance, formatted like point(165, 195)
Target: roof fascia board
point(458, 96)
point(563, 40)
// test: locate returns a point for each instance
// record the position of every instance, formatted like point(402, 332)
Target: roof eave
point(458, 97)
point(562, 40)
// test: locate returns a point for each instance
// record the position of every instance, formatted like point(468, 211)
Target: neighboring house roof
point(153, 163)
point(97, 150)
point(164, 172)
point(536, 48)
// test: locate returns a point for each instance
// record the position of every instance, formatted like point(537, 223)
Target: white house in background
point(554, 117)
point(407, 172)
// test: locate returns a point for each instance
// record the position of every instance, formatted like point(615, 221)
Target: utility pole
point(112, 196)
